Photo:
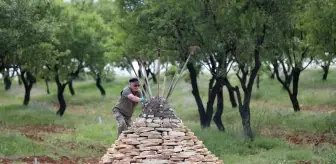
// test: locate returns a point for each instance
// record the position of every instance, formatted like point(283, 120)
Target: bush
point(172, 70)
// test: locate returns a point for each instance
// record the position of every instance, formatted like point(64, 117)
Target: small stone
point(149, 120)
point(150, 116)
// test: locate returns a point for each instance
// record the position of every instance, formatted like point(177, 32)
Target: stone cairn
point(158, 137)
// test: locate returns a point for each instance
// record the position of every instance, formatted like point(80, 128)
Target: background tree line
point(56, 41)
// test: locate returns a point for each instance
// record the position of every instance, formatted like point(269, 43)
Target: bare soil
point(36, 132)
point(299, 138)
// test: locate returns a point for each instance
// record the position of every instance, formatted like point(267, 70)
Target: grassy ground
point(282, 136)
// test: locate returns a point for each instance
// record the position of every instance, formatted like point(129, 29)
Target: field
point(282, 136)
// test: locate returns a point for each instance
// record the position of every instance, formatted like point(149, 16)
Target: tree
point(27, 21)
point(319, 22)
point(291, 51)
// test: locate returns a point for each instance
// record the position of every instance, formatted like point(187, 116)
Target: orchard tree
point(292, 53)
point(319, 21)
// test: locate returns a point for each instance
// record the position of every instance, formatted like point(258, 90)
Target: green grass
point(270, 108)
point(15, 145)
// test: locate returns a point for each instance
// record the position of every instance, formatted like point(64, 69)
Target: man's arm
point(134, 98)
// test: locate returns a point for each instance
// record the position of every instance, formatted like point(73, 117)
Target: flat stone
point(148, 153)
point(144, 129)
point(146, 134)
point(130, 141)
point(170, 144)
point(127, 131)
point(166, 120)
point(152, 141)
point(186, 154)
point(177, 149)
point(163, 129)
point(123, 146)
point(179, 129)
point(155, 161)
point(175, 120)
point(158, 121)
point(155, 136)
point(141, 138)
point(140, 124)
point(132, 136)
point(196, 158)
point(118, 156)
point(174, 133)
point(153, 125)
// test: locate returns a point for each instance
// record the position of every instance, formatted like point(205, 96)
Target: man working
point(123, 110)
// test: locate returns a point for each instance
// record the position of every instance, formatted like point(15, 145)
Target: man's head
point(134, 84)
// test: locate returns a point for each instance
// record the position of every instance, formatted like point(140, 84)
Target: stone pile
point(158, 139)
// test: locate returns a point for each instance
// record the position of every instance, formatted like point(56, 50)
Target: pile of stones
point(158, 137)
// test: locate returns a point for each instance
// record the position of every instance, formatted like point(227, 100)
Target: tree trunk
point(71, 89)
point(244, 111)
point(295, 103)
point(293, 97)
point(7, 81)
point(60, 96)
point(28, 82)
point(153, 76)
point(325, 72)
point(210, 103)
point(220, 107)
point(231, 93)
point(210, 87)
point(99, 86)
point(195, 92)
point(47, 85)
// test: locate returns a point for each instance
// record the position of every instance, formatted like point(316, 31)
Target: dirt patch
point(49, 160)
point(319, 108)
point(299, 138)
point(36, 132)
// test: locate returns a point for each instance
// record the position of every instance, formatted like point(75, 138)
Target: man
point(123, 110)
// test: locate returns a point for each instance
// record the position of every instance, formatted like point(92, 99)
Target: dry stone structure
point(158, 137)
